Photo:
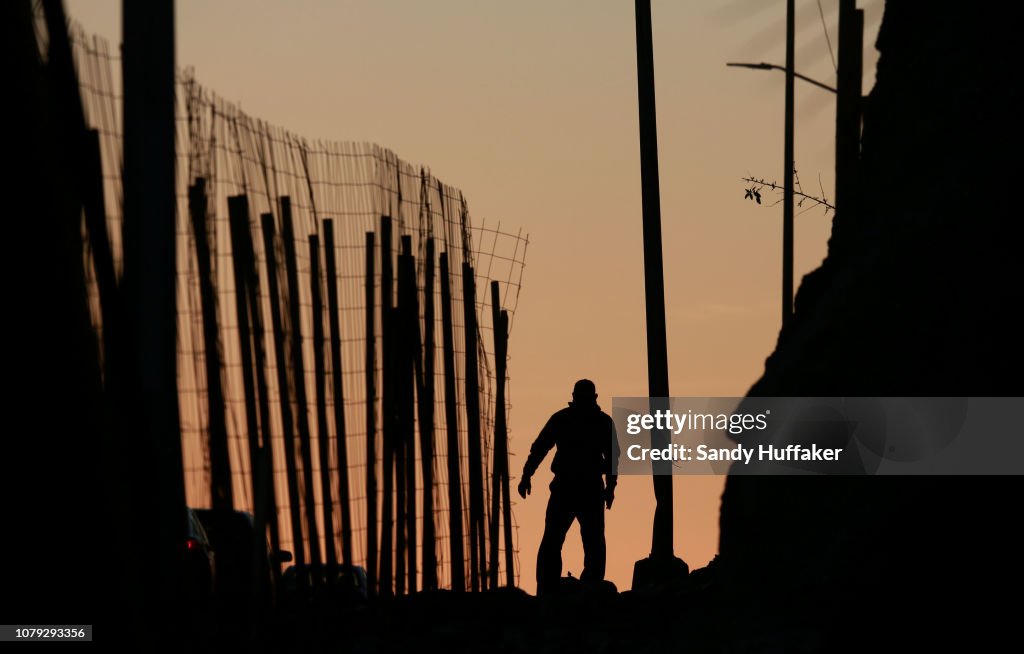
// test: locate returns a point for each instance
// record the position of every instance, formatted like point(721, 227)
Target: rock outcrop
point(918, 296)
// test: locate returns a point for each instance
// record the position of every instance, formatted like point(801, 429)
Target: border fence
point(340, 374)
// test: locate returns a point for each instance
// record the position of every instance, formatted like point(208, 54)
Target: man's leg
point(557, 521)
point(591, 516)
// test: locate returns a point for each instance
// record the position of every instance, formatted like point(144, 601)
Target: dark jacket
point(587, 447)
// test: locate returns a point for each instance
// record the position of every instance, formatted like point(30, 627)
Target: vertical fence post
point(506, 513)
point(477, 541)
point(94, 208)
point(281, 365)
point(409, 336)
point(299, 382)
point(298, 378)
point(499, 418)
point(337, 381)
point(220, 462)
point(254, 386)
point(397, 404)
point(387, 411)
point(501, 504)
point(451, 417)
point(425, 399)
point(320, 382)
point(238, 220)
point(370, 381)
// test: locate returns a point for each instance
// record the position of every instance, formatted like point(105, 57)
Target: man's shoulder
point(562, 414)
point(570, 414)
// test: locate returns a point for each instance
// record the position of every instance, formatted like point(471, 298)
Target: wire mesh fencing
point(337, 371)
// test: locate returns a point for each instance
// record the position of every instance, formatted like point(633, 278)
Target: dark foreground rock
point(918, 296)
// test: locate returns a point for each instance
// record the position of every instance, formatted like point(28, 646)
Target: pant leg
point(590, 513)
point(557, 521)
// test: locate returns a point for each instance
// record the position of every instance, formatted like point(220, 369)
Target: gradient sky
point(530, 108)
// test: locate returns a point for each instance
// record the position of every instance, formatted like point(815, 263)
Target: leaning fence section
point(342, 341)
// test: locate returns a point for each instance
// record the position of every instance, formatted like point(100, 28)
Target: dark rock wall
point(919, 296)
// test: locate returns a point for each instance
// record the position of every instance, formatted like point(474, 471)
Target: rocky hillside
point(918, 296)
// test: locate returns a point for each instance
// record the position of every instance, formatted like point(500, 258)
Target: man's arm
point(540, 448)
point(610, 452)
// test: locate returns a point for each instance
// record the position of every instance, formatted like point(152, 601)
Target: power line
point(828, 40)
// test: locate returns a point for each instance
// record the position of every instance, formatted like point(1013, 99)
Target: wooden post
point(220, 462)
point(95, 211)
point(244, 272)
point(288, 428)
point(299, 380)
point(387, 417)
point(451, 407)
point(320, 381)
point(370, 380)
point(337, 379)
point(477, 541)
point(500, 488)
point(267, 492)
point(238, 220)
point(410, 345)
point(397, 433)
point(425, 401)
point(848, 100)
point(397, 439)
point(506, 509)
point(494, 523)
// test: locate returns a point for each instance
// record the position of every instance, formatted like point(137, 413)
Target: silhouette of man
point(586, 450)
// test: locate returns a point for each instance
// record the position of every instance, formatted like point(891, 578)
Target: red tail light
point(192, 544)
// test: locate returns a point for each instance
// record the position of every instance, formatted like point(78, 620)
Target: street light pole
point(654, 280)
point(848, 114)
point(787, 179)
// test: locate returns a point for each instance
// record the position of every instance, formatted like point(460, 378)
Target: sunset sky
point(530, 108)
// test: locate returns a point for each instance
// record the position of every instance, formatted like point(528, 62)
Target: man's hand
point(524, 487)
point(609, 496)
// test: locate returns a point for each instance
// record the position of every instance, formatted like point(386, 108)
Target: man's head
point(584, 393)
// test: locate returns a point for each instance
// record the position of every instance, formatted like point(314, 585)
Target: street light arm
point(766, 66)
point(813, 81)
point(761, 66)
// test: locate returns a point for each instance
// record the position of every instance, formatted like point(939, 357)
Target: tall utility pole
point(787, 175)
point(851, 49)
point(654, 281)
point(149, 281)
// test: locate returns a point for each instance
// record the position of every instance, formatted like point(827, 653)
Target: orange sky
point(529, 107)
